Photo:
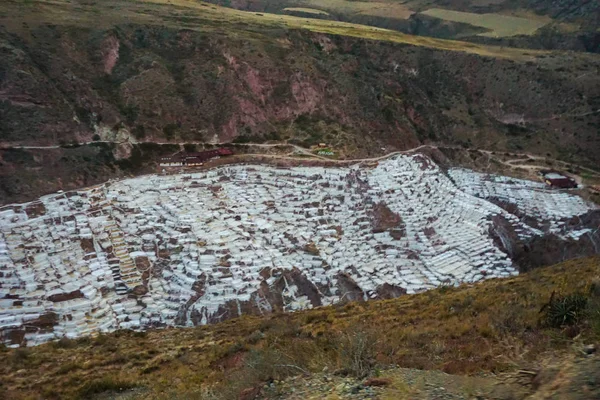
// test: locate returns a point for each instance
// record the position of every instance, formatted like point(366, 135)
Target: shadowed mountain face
point(63, 83)
point(193, 72)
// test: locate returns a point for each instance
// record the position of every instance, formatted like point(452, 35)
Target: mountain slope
point(187, 71)
point(571, 25)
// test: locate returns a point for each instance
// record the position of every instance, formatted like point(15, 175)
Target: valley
point(276, 199)
point(83, 101)
point(201, 247)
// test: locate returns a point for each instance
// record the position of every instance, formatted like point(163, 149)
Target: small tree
point(189, 147)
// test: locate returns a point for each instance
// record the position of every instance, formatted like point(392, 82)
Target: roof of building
point(554, 175)
point(563, 182)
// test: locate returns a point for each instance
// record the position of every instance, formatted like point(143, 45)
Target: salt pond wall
point(199, 248)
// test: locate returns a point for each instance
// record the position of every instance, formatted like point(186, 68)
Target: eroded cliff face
point(61, 84)
point(147, 83)
point(177, 85)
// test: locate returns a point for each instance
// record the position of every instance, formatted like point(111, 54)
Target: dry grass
point(372, 8)
point(306, 10)
point(498, 25)
point(189, 14)
point(491, 327)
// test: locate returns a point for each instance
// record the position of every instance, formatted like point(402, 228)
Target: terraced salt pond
point(201, 247)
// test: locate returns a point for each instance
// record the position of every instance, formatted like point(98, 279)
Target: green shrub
point(20, 357)
point(139, 132)
point(594, 317)
point(189, 147)
point(170, 130)
point(565, 310)
point(130, 112)
point(17, 156)
point(64, 343)
point(67, 368)
point(248, 138)
point(508, 322)
point(255, 337)
point(593, 308)
point(107, 384)
point(101, 340)
point(234, 348)
point(273, 363)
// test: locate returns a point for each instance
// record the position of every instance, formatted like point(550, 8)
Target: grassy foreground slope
point(498, 326)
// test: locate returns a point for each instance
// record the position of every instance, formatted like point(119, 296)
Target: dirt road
point(521, 160)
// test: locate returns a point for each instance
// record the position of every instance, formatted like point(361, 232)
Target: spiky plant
point(565, 310)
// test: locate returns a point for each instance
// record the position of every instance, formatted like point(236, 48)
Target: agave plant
point(565, 310)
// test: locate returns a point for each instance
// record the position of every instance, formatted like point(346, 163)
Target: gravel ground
point(400, 383)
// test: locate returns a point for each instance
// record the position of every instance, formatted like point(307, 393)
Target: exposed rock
point(57, 298)
point(378, 382)
point(387, 291)
point(110, 53)
point(589, 349)
point(249, 393)
point(384, 219)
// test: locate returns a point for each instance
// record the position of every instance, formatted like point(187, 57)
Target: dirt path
point(521, 158)
point(517, 163)
point(9, 146)
point(397, 384)
point(566, 377)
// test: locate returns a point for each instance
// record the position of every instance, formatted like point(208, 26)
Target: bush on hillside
point(106, 384)
point(565, 310)
point(357, 353)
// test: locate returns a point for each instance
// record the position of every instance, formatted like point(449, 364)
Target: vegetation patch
point(498, 25)
point(374, 9)
point(306, 10)
point(565, 310)
point(104, 385)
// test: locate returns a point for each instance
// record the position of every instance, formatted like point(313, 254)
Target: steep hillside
point(149, 71)
point(498, 329)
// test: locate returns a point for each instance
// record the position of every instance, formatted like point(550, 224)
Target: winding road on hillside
point(519, 162)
